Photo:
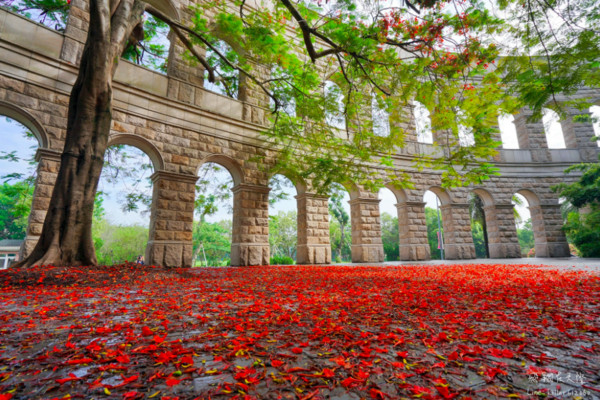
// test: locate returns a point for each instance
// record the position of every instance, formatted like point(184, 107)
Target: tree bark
point(66, 237)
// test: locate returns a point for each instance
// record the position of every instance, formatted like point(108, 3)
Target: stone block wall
point(414, 244)
point(502, 231)
point(250, 237)
point(171, 220)
point(366, 231)
point(531, 135)
point(180, 133)
point(458, 240)
point(314, 245)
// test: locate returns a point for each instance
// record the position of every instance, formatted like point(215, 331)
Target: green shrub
point(282, 260)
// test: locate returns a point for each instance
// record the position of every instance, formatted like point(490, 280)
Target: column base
point(169, 253)
point(245, 254)
point(557, 249)
point(27, 246)
point(313, 254)
point(362, 253)
point(414, 252)
point(505, 250)
point(459, 251)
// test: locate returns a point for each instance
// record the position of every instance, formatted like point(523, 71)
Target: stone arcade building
point(181, 126)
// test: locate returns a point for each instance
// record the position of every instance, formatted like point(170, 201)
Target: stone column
point(256, 101)
point(502, 231)
point(250, 239)
point(412, 227)
point(550, 240)
point(171, 220)
point(185, 80)
point(76, 31)
point(367, 245)
point(532, 136)
point(47, 171)
point(578, 130)
point(458, 239)
point(314, 245)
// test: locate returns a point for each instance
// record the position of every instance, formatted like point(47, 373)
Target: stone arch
point(166, 7)
point(143, 144)
point(29, 121)
point(441, 193)
point(298, 182)
point(352, 189)
point(400, 193)
point(537, 222)
point(229, 163)
point(485, 196)
point(532, 199)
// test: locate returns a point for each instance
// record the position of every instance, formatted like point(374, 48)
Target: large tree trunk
point(66, 237)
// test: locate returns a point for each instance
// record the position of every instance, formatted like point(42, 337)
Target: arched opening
point(121, 218)
point(508, 131)
point(524, 225)
point(595, 111)
point(435, 226)
point(340, 227)
point(17, 181)
point(153, 50)
point(227, 78)
point(390, 235)
point(422, 123)
point(479, 228)
point(334, 105)
point(283, 221)
point(380, 116)
point(54, 15)
point(213, 214)
point(553, 129)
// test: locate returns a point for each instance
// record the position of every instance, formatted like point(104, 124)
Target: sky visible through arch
point(13, 139)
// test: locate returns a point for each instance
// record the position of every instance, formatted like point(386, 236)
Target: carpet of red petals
point(461, 331)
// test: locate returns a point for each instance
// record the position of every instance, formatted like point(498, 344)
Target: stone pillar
point(578, 130)
point(550, 240)
point(532, 136)
point(367, 245)
point(458, 239)
point(250, 239)
point(502, 231)
point(185, 80)
point(171, 220)
point(47, 171)
point(76, 31)
point(256, 101)
point(314, 245)
point(412, 226)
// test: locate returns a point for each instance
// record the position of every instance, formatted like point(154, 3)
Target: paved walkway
point(587, 264)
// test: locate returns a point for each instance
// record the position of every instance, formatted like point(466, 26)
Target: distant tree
point(15, 206)
point(526, 238)
point(479, 240)
point(478, 226)
point(390, 237)
point(121, 243)
point(431, 218)
point(583, 227)
point(213, 241)
point(283, 236)
point(340, 234)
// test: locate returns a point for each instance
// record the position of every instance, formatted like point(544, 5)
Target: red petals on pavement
point(427, 332)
